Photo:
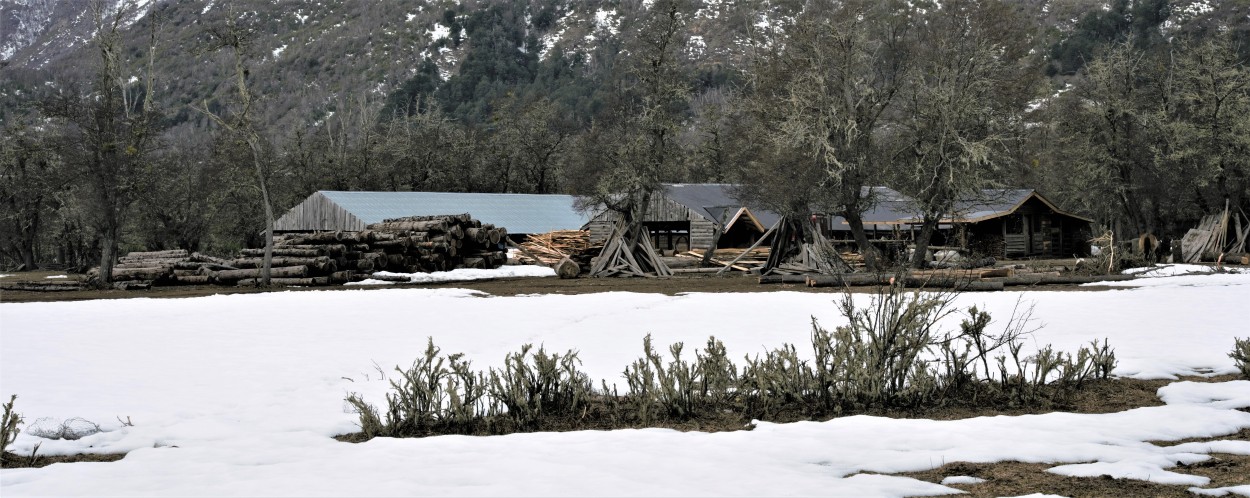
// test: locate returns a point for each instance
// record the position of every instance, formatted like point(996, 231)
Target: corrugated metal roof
point(889, 206)
point(894, 208)
point(519, 213)
point(715, 201)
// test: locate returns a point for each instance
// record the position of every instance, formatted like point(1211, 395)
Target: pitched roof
point(519, 213)
point(716, 202)
point(894, 208)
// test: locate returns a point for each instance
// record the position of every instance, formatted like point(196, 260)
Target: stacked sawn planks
point(551, 247)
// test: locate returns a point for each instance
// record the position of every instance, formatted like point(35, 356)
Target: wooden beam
point(523, 250)
point(749, 249)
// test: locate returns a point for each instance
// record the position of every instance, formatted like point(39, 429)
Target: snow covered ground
point(239, 395)
point(463, 275)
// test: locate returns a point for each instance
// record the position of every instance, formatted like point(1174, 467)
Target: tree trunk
point(919, 259)
point(254, 144)
point(866, 249)
point(711, 249)
point(108, 254)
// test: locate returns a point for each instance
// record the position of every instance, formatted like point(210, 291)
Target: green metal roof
point(519, 213)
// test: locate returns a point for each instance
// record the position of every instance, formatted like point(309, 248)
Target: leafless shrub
point(891, 354)
point(1241, 356)
point(71, 429)
point(8, 425)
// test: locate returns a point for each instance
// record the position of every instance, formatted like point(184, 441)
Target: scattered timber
point(551, 248)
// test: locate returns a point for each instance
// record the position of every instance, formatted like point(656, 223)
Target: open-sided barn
point(689, 215)
point(521, 214)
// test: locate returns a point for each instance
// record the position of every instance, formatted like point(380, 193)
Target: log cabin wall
point(1032, 230)
point(317, 213)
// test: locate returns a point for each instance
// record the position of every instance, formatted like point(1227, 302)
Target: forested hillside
point(155, 124)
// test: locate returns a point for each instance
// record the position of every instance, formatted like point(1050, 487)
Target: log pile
point(138, 270)
point(414, 244)
point(402, 245)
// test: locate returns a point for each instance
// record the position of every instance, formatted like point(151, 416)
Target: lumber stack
point(1219, 237)
point(552, 247)
point(569, 252)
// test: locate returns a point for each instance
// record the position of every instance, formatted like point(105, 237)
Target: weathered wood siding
point(317, 213)
point(601, 226)
point(1032, 230)
point(659, 210)
point(701, 232)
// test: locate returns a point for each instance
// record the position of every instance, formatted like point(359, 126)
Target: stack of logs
point(405, 245)
point(414, 244)
point(174, 267)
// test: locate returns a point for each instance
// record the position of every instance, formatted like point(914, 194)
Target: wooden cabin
point(520, 214)
point(1017, 223)
point(684, 216)
point(1000, 223)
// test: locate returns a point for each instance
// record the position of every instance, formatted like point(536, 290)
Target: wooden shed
point(1022, 222)
point(685, 216)
point(521, 214)
point(999, 223)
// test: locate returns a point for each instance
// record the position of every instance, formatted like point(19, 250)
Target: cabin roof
point(716, 202)
point(894, 208)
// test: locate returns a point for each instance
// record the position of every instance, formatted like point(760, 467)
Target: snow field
point(239, 395)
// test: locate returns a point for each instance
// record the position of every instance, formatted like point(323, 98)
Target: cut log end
point(567, 268)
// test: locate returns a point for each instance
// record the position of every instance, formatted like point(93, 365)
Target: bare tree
point(110, 132)
point(823, 95)
point(625, 157)
point(235, 37)
point(960, 106)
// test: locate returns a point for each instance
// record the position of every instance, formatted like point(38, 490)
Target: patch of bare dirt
point(498, 287)
point(15, 461)
point(1017, 478)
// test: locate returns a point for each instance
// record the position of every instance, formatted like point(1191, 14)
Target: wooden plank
point(753, 246)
